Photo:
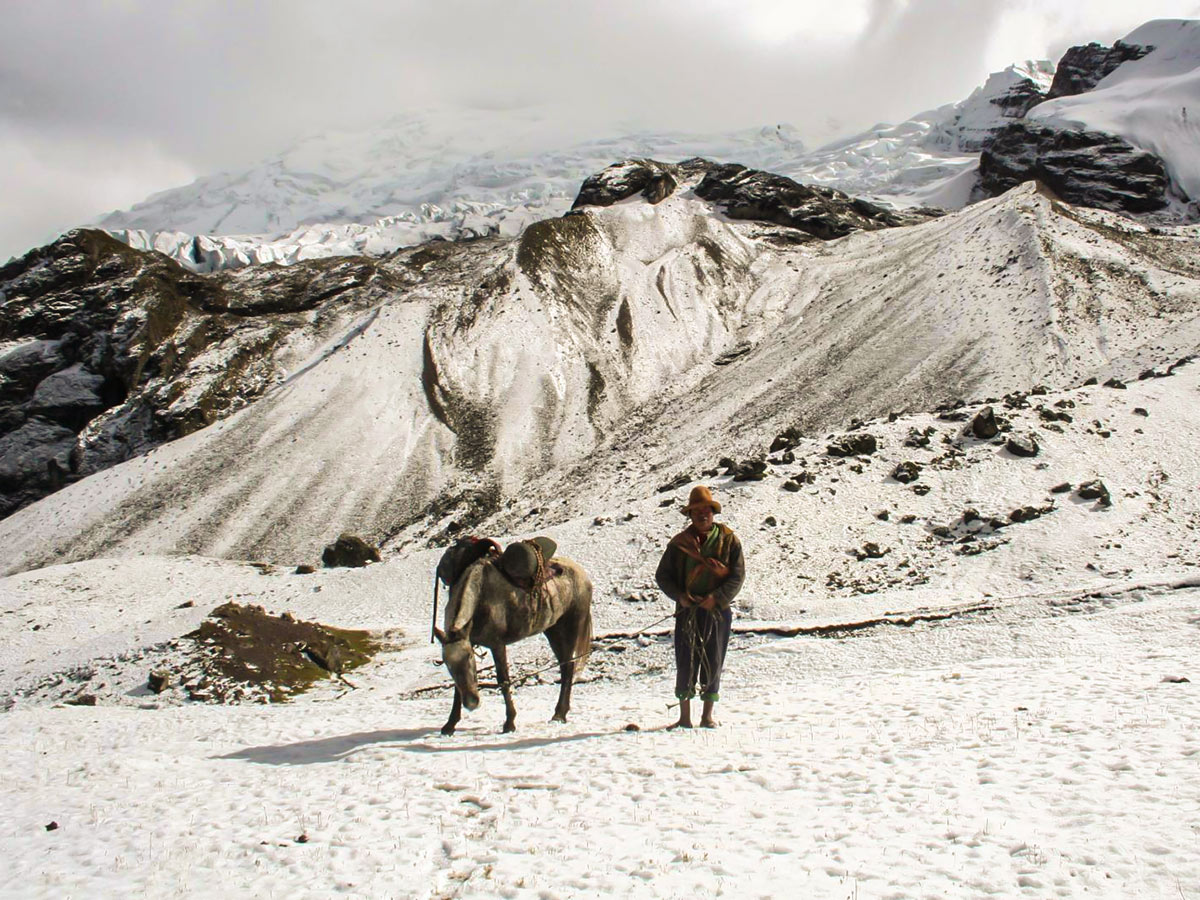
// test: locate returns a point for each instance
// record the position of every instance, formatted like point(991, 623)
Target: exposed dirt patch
point(245, 653)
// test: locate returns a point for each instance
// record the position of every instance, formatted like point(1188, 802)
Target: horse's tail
point(583, 638)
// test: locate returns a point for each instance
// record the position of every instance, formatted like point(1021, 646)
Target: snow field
point(1033, 752)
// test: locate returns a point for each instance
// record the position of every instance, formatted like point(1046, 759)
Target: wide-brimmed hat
point(700, 496)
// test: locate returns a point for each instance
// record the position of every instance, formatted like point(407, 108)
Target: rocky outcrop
point(743, 193)
point(1086, 168)
point(653, 180)
point(822, 212)
point(111, 351)
point(1083, 67)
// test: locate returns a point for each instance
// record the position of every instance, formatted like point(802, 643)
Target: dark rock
point(1022, 445)
point(349, 551)
point(305, 569)
point(676, 482)
point(1115, 383)
point(984, 425)
point(1139, 411)
point(652, 179)
point(82, 700)
point(921, 489)
point(770, 521)
point(970, 515)
point(302, 839)
point(186, 604)
point(906, 472)
point(1095, 490)
point(857, 444)
point(750, 470)
point(633, 726)
point(1087, 168)
point(1167, 679)
point(726, 463)
point(1082, 67)
point(883, 515)
point(1061, 488)
point(907, 519)
point(918, 438)
point(792, 485)
point(159, 680)
point(1090, 381)
point(1053, 415)
point(1029, 513)
point(870, 550)
point(52, 826)
point(126, 343)
point(785, 441)
point(822, 212)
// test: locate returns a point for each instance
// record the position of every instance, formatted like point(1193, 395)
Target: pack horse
point(498, 599)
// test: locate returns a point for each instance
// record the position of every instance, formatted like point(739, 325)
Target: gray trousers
point(701, 638)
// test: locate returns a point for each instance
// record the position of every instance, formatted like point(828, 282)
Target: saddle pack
point(461, 554)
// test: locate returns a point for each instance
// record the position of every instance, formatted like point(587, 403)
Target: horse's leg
point(561, 638)
point(455, 714)
point(500, 654)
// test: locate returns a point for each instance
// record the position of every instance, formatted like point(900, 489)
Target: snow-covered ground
point(1010, 720)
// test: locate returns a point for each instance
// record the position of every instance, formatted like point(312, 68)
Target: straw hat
point(700, 496)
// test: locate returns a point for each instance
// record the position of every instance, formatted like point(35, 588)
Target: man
point(702, 571)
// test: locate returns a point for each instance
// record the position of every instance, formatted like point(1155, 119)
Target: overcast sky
point(103, 102)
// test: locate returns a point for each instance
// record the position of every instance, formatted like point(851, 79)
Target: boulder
point(750, 470)
point(1025, 445)
point(856, 444)
point(1095, 490)
point(349, 551)
point(984, 425)
point(907, 472)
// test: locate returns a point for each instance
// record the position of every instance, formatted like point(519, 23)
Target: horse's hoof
point(447, 730)
point(559, 717)
point(509, 727)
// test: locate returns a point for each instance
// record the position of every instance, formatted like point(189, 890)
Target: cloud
point(197, 86)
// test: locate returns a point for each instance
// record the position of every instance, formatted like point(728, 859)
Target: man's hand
point(687, 600)
point(708, 602)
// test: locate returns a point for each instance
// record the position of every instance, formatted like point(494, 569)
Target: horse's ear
point(440, 635)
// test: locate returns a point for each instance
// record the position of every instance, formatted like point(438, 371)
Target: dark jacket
point(671, 574)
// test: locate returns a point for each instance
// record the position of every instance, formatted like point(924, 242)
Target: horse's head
point(459, 657)
point(457, 651)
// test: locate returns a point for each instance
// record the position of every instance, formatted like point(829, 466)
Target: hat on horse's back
point(699, 498)
point(520, 559)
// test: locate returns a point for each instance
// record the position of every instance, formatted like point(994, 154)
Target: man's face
point(702, 519)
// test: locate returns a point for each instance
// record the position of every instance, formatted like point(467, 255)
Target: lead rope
point(433, 627)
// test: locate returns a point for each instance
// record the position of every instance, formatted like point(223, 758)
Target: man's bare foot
point(709, 723)
point(706, 715)
point(685, 716)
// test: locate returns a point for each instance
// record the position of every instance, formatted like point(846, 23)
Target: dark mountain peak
point(1083, 67)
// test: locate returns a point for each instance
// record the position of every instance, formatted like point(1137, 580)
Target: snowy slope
point(1016, 723)
point(545, 370)
point(1151, 102)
